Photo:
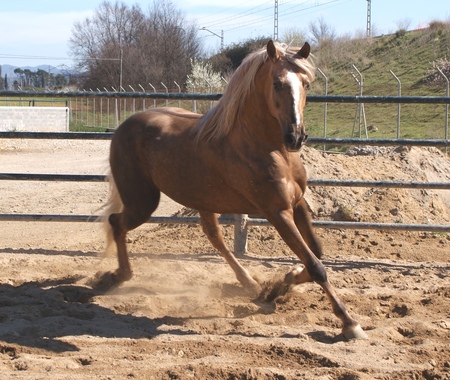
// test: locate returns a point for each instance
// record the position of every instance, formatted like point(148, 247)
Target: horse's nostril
point(290, 139)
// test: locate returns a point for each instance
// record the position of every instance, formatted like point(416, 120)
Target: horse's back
point(153, 130)
point(177, 119)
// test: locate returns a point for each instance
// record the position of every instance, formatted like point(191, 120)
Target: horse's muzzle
point(294, 142)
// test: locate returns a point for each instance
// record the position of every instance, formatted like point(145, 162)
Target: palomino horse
point(239, 158)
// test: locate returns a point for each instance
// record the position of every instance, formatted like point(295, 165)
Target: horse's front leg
point(314, 269)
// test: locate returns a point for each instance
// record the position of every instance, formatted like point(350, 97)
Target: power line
point(283, 14)
point(19, 56)
point(32, 57)
point(226, 10)
point(291, 14)
point(239, 14)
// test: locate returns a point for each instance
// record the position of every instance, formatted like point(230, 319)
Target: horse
point(241, 157)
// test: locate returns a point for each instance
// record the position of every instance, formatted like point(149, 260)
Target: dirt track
point(184, 316)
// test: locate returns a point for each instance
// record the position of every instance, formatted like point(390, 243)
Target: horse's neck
point(257, 128)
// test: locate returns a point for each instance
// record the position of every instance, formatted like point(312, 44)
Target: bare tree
point(403, 24)
point(294, 37)
point(172, 41)
point(97, 42)
point(321, 32)
point(123, 43)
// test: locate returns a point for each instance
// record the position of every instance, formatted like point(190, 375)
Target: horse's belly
point(207, 194)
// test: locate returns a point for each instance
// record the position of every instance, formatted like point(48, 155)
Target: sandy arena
point(185, 316)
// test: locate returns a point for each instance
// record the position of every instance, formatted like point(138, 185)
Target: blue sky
point(35, 32)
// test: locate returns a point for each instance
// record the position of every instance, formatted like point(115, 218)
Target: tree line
point(26, 78)
point(39, 78)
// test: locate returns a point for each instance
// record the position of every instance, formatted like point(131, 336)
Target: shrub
point(434, 77)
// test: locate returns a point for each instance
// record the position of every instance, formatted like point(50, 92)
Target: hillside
point(410, 56)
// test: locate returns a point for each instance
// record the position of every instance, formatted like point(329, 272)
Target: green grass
point(410, 57)
point(84, 119)
point(38, 102)
point(84, 128)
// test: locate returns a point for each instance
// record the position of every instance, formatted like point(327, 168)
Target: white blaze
point(295, 84)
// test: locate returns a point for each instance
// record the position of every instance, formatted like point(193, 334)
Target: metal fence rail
point(311, 140)
point(311, 182)
point(53, 177)
point(228, 220)
point(213, 97)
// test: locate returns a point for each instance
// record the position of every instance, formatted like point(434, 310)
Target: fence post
point(194, 102)
point(101, 109)
point(446, 106)
point(240, 234)
point(359, 106)
point(107, 109)
point(179, 91)
point(167, 91)
point(69, 106)
point(87, 109)
point(134, 100)
point(116, 112)
point(143, 100)
point(94, 113)
point(76, 111)
point(325, 107)
point(154, 90)
point(399, 92)
point(124, 115)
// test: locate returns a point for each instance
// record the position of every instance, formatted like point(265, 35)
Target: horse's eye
point(278, 85)
point(307, 86)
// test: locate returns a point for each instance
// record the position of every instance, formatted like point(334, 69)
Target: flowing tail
point(113, 206)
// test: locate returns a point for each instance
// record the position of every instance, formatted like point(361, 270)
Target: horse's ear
point(272, 51)
point(304, 51)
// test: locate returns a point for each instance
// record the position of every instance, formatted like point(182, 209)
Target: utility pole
point(120, 69)
point(369, 19)
point(275, 21)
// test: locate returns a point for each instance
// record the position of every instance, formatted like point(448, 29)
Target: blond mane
point(218, 121)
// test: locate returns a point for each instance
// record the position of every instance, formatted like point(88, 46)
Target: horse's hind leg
point(140, 199)
point(212, 230)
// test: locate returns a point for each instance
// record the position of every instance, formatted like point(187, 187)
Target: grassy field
point(410, 56)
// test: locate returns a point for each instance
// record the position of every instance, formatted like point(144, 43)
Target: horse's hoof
point(290, 277)
point(273, 290)
point(254, 289)
point(105, 281)
point(354, 332)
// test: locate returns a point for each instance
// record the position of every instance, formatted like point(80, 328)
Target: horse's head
point(286, 92)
